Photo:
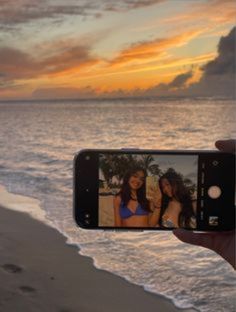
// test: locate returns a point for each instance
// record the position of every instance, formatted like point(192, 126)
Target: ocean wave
point(40, 166)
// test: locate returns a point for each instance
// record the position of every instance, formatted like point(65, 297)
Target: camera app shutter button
point(214, 192)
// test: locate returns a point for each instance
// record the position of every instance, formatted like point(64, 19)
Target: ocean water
point(38, 141)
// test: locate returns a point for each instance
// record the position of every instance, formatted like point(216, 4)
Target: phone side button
point(130, 149)
point(108, 230)
point(128, 230)
point(122, 230)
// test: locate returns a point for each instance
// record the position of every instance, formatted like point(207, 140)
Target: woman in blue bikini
point(131, 208)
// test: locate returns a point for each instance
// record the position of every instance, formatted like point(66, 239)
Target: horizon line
point(118, 98)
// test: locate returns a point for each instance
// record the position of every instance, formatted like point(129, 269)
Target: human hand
point(155, 197)
point(222, 243)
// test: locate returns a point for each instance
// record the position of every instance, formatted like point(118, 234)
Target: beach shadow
point(12, 268)
point(27, 289)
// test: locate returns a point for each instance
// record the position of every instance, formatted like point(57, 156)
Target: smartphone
point(197, 189)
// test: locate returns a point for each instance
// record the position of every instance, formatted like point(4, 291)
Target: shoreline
point(41, 272)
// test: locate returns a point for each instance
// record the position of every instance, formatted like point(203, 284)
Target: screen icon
point(213, 220)
point(215, 163)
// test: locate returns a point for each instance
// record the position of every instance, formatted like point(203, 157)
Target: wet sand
point(40, 272)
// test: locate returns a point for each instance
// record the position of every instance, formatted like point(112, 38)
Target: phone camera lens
point(87, 157)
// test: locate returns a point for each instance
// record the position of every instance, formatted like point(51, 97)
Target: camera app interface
point(148, 190)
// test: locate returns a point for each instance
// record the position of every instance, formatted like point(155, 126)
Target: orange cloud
point(149, 50)
point(83, 68)
point(129, 77)
point(74, 69)
point(140, 65)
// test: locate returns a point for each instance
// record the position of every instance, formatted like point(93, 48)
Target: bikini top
point(167, 222)
point(125, 212)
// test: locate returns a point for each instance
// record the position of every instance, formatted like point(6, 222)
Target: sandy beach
point(40, 272)
point(106, 211)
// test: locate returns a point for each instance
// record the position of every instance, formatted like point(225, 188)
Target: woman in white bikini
point(176, 202)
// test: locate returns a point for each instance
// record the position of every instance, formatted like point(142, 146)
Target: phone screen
point(158, 190)
point(147, 190)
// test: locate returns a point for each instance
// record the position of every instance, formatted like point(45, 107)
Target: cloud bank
point(218, 76)
point(217, 80)
point(14, 13)
point(16, 64)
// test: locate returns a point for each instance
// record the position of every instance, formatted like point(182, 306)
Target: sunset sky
point(80, 49)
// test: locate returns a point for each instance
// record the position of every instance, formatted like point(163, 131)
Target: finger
point(199, 239)
point(226, 145)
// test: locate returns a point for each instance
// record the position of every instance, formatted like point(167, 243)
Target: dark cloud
point(224, 63)
point(177, 85)
point(180, 80)
point(213, 86)
point(16, 12)
point(13, 13)
point(218, 76)
point(113, 5)
point(63, 93)
point(16, 64)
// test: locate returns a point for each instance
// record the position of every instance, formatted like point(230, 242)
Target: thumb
point(228, 146)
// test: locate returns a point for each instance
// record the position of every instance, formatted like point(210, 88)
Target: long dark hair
point(125, 192)
point(181, 193)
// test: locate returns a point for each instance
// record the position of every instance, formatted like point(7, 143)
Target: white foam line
point(23, 204)
point(172, 299)
point(32, 207)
